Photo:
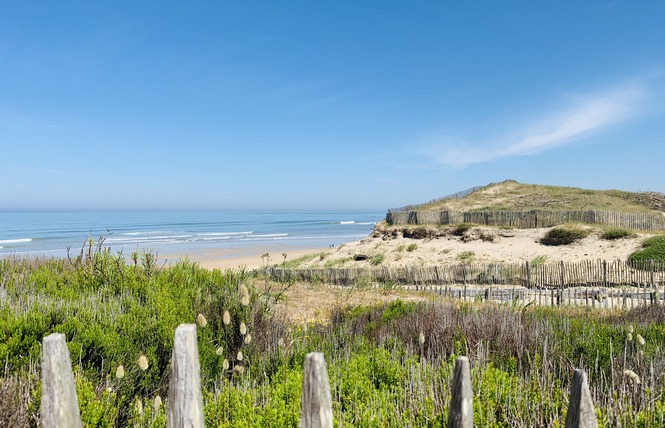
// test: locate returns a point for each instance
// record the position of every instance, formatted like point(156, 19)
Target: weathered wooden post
point(59, 405)
point(460, 412)
point(185, 406)
point(580, 408)
point(315, 400)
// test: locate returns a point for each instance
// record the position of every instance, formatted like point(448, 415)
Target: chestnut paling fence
point(643, 221)
point(613, 282)
point(59, 403)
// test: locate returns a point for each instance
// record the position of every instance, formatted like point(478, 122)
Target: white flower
point(156, 403)
point(244, 295)
point(634, 378)
point(225, 364)
point(640, 340)
point(239, 356)
point(139, 406)
point(142, 362)
point(630, 337)
point(280, 342)
point(243, 328)
point(120, 372)
point(239, 369)
point(248, 338)
point(201, 320)
point(630, 329)
point(226, 318)
point(421, 338)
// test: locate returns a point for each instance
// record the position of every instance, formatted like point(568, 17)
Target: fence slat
point(460, 412)
point(580, 408)
point(185, 406)
point(315, 399)
point(59, 405)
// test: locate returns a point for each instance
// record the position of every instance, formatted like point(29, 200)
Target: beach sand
point(249, 257)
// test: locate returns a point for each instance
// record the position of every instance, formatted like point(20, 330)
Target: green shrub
point(613, 233)
point(652, 249)
point(412, 247)
point(564, 235)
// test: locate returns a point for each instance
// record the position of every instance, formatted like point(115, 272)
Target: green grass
point(412, 247)
point(377, 259)
point(336, 262)
point(538, 261)
point(297, 262)
point(466, 256)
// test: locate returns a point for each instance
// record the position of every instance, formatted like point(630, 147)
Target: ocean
point(179, 232)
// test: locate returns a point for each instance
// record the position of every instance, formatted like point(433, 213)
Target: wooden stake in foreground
point(185, 406)
point(580, 408)
point(59, 405)
point(315, 400)
point(460, 412)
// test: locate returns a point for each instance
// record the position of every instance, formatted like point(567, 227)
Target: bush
point(564, 235)
point(411, 247)
point(613, 233)
point(652, 249)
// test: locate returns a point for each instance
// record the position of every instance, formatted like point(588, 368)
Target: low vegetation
point(614, 233)
point(389, 364)
point(510, 195)
point(460, 229)
point(652, 249)
point(564, 235)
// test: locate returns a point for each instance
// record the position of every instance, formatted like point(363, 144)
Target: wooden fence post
point(580, 408)
point(185, 406)
point(460, 412)
point(59, 405)
point(315, 399)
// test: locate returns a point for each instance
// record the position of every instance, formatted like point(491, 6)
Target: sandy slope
point(507, 246)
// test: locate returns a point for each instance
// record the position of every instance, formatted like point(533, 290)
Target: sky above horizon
point(324, 105)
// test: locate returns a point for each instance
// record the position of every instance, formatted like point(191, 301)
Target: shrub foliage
point(564, 235)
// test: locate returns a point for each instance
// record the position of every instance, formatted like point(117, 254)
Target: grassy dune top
point(510, 195)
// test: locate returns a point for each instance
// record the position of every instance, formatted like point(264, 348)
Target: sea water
point(178, 232)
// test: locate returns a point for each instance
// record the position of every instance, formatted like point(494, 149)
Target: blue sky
point(324, 104)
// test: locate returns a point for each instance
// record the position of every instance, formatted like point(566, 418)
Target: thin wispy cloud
point(585, 115)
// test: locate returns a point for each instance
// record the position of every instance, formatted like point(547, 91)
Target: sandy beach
point(249, 257)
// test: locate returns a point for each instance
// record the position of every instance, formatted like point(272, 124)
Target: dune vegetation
point(390, 364)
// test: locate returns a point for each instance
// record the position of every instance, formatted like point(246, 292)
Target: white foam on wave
point(359, 223)
point(15, 241)
point(224, 233)
point(147, 239)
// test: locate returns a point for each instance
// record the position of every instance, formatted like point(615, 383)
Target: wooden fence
point(59, 403)
point(603, 273)
point(602, 283)
point(645, 221)
point(457, 195)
